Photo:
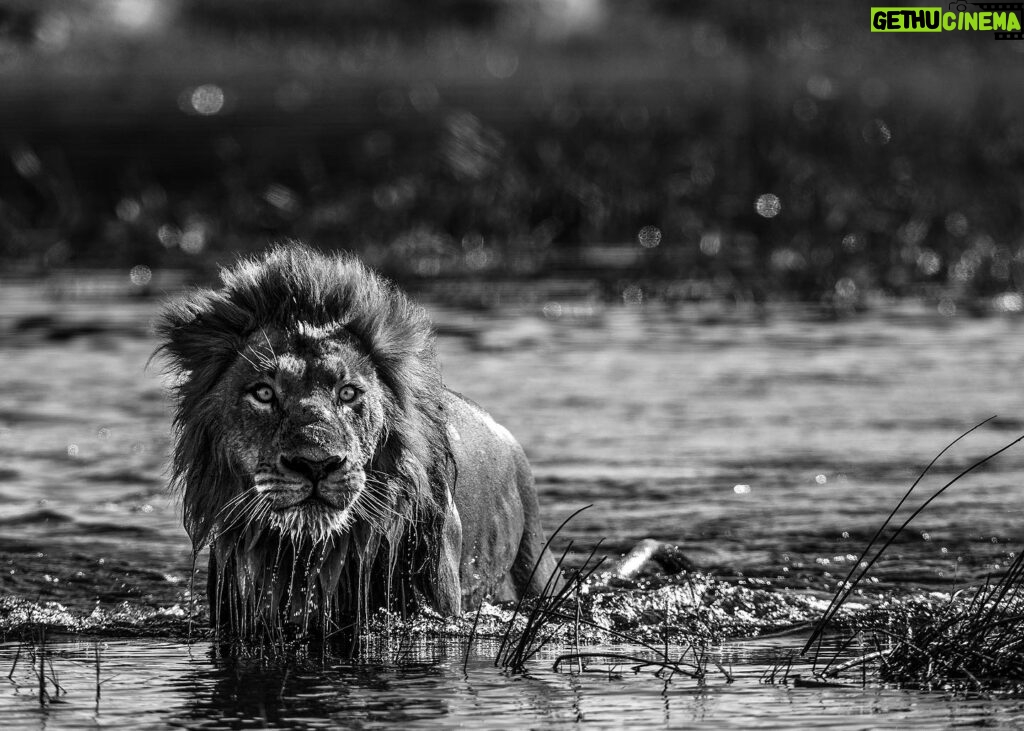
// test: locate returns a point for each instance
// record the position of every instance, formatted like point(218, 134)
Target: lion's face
point(302, 412)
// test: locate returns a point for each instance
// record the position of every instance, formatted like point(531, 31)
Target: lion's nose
point(312, 469)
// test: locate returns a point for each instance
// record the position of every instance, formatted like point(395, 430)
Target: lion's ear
point(201, 329)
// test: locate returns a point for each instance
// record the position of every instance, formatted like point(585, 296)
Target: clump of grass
point(550, 616)
point(976, 644)
point(34, 653)
point(545, 615)
point(973, 641)
point(38, 659)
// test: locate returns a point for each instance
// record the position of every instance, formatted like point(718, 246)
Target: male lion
point(322, 460)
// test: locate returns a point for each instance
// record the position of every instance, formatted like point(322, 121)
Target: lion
point(321, 459)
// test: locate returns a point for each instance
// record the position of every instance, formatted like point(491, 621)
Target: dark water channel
point(767, 446)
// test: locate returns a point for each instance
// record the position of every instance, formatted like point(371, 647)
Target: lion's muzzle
point(300, 479)
point(314, 470)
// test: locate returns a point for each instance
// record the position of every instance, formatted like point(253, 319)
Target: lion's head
point(311, 452)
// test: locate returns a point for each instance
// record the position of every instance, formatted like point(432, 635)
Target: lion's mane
point(258, 577)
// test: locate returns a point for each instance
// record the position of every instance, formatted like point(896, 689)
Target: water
point(154, 684)
point(768, 447)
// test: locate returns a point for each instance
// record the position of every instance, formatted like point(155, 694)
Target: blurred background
point(635, 150)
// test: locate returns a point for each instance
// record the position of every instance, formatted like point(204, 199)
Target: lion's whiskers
point(264, 362)
point(369, 500)
point(376, 502)
point(390, 485)
point(379, 521)
point(260, 514)
point(281, 553)
point(249, 360)
point(239, 520)
point(235, 503)
point(269, 345)
point(317, 523)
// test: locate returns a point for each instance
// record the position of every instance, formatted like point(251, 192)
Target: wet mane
point(203, 333)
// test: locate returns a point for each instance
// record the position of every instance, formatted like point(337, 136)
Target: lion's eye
point(262, 393)
point(348, 394)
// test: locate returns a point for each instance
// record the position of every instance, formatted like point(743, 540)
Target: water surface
point(156, 685)
point(767, 445)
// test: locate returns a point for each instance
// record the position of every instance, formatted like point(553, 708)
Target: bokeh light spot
point(501, 64)
point(26, 162)
point(207, 99)
point(853, 242)
point(821, 87)
point(1008, 302)
point(876, 132)
point(424, 97)
point(913, 232)
point(965, 269)
point(139, 15)
point(140, 275)
point(477, 259)
point(787, 259)
point(768, 205)
point(128, 209)
point(649, 237)
point(957, 224)
point(633, 295)
point(193, 238)
point(53, 32)
point(282, 198)
point(703, 174)
point(711, 243)
point(169, 236)
point(846, 288)
point(929, 263)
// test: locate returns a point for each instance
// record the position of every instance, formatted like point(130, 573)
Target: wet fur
point(430, 551)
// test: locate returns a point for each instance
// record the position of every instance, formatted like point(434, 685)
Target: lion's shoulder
point(484, 450)
point(463, 413)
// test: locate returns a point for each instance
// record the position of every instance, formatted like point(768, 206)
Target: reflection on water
point(154, 685)
point(768, 447)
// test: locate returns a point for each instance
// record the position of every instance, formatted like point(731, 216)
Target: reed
point(544, 614)
point(974, 641)
point(557, 616)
